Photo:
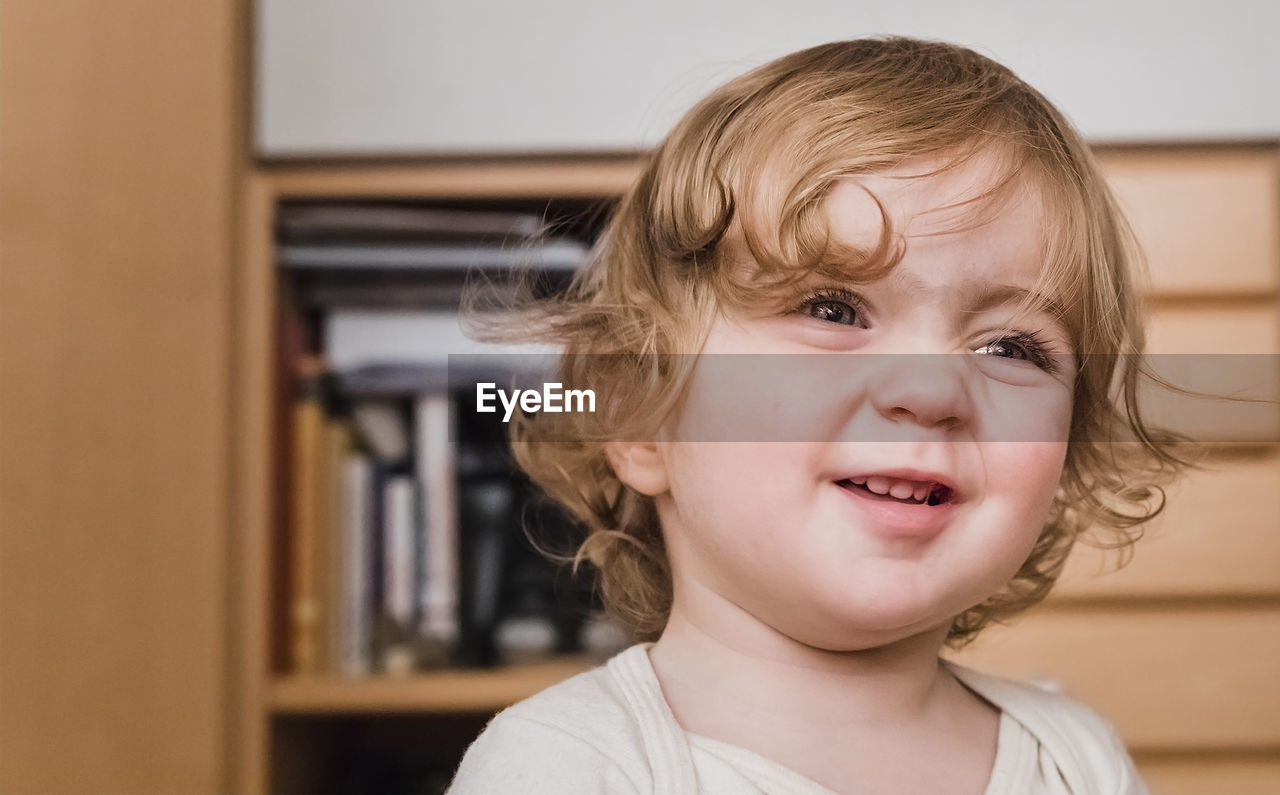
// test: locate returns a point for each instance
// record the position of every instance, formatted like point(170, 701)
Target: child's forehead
point(930, 196)
point(990, 204)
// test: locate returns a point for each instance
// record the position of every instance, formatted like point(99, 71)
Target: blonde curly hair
point(750, 165)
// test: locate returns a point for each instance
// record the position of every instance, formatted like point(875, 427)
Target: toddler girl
point(855, 331)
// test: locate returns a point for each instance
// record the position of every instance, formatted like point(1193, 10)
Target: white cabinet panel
point(424, 76)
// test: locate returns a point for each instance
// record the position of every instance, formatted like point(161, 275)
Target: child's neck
point(737, 655)
point(824, 714)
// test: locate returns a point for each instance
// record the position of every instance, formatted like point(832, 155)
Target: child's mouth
point(906, 492)
point(903, 504)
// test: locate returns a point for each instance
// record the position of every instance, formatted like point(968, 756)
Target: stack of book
point(401, 540)
point(407, 256)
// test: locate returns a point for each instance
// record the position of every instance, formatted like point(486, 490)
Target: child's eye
point(839, 307)
point(1022, 346)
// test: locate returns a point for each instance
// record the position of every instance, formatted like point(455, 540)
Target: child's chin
point(864, 633)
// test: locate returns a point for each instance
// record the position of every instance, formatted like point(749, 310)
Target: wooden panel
point(1167, 679)
point(1209, 221)
point(1210, 776)
point(540, 177)
point(116, 150)
point(1215, 328)
point(251, 530)
point(1218, 349)
point(1218, 535)
point(445, 691)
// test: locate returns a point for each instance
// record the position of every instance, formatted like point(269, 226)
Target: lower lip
point(900, 519)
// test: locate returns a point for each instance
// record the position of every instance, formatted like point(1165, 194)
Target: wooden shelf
point(481, 690)
point(456, 178)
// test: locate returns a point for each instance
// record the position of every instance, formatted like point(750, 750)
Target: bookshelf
point(1201, 592)
point(290, 728)
point(462, 690)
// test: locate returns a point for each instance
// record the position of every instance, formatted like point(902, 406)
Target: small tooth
point(859, 480)
point(921, 492)
point(901, 489)
point(878, 484)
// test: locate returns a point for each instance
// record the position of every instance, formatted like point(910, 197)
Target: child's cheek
point(733, 505)
point(1025, 475)
point(1039, 413)
point(767, 398)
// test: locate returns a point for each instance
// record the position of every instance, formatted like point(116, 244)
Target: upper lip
point(918, 475)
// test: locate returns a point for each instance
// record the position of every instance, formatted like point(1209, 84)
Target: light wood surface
point(1211, 327)
point(1206, 217)
point(116, 151)
point(446, 691)
point(1217, 537)
point(1169, 677)
point(1212, 775)
point(252, 439)
point(1216, 350)
point(498, 177)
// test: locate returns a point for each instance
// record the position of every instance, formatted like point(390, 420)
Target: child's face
point(786, 531)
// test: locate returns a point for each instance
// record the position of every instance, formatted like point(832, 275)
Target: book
point(307, 487)
point(353, 634)
point(398, 548)
point(357, 338)
point(310, 222)
point(381, 425)
point(547, 255)
point(398, 584)
point(292, 342)
point(331, 509)
point(437, 477)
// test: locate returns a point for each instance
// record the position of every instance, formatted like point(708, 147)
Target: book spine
point(546, 255)
point(398, 579)
point(291, 345)
point(437, 474)
point(329, 546)
point(354, 631)
point(308, 430)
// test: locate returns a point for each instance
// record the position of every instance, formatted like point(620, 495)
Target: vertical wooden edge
point(245, 746)
point(251, 499)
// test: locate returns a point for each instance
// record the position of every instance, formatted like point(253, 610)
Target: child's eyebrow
point(978, 295)
point(982, 296)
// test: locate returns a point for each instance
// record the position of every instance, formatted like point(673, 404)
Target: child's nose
point(929, 390)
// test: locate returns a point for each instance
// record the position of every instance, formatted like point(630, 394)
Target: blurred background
point(250, 542)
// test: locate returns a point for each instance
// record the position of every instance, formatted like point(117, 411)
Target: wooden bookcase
point(287, 726)
point(1183, 644)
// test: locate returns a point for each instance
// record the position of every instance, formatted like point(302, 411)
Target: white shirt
point(611, 730)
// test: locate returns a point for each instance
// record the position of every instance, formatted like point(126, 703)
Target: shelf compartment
point(460, 690)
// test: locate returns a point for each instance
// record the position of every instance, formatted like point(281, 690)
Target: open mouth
point(907, 492)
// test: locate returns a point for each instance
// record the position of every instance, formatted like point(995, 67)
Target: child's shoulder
point(578, 735)
point(1083, 743)
point(1035, 703)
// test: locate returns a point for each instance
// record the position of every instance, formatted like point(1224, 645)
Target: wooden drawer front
point(1220, 351)
point(1167, 679)
point(1215, 328)
point(1209, 222)
point(1211, 776)
point(1218, 535)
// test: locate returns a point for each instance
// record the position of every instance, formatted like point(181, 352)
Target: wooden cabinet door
point(117, 155)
